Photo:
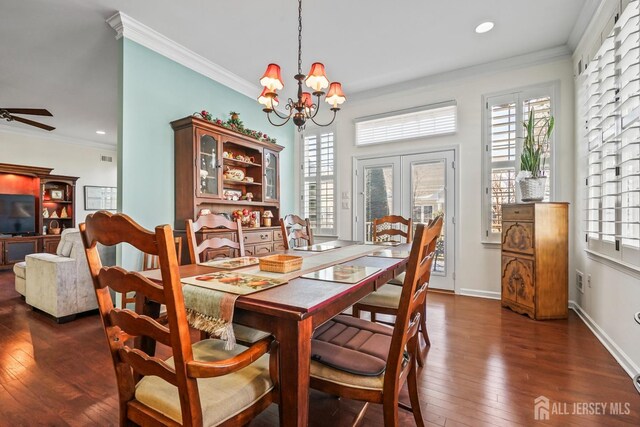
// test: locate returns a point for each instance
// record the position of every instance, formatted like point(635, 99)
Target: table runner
point(211, 311)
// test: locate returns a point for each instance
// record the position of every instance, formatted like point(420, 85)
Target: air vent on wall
point(106, 159)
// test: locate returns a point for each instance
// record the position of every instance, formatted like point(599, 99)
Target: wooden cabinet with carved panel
point(535, 255)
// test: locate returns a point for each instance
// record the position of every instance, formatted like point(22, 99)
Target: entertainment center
point(35, 206)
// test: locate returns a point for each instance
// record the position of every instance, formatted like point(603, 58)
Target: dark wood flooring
point(486, 366)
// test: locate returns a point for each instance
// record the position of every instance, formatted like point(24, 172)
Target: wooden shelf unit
point(39, 182)
point(200, 167)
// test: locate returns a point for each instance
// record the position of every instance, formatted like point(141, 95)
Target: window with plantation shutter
point(610, 94)
point(319, 182)
point(432, 120)
point(502, 142)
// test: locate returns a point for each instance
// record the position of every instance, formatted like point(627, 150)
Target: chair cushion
point(353, 345)
point(398, 280)
point(221, 397)
point(245, 334)
point(387, 296)
point(20, 269)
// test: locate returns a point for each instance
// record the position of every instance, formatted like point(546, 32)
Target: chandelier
point(302, 109)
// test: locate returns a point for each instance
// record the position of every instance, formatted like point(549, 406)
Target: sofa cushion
point(221, 397)
point(20, 269)
point(352, 345)
point(64, 248)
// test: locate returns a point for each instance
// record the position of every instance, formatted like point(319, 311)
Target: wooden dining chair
point(201, 384)
point(386, 300)
point(294, 229)
point(213, 221)
point(150, 262)
point(397, 347)
point(392, 228)
point(243, 334)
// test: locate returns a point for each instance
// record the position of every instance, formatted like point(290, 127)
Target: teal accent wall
point(155, 91)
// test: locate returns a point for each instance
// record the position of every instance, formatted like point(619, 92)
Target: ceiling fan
point(8, 115)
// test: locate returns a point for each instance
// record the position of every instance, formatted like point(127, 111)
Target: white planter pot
point(532, 189)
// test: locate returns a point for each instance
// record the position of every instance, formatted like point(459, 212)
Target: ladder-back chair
point(200, 384)
point(402, 344)
point(213, 221)
point(294, 229)
point(392, 228)
point(386, 300)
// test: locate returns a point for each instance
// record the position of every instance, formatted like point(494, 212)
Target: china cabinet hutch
point(221, 171)
point(535, 256)
point(54, 204)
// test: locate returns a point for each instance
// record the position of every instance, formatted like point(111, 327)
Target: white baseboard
point(621, 357)
point(479, 293)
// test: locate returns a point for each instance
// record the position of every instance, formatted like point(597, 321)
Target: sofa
point(59, 284)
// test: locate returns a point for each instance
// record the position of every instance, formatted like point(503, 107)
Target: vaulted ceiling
point(61, 54)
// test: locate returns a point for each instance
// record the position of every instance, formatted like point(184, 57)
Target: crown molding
point(4, 129)
point(590, 9)
point(526, 60)
point(126, 26)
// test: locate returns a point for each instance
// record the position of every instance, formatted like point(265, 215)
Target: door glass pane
point(428, 199)
point(378, 196)
point(271, 176)
point(208, 165)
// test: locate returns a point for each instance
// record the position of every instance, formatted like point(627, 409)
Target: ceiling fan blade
point(32, 111)
point(32, 123)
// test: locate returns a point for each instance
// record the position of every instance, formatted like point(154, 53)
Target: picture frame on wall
point(100, 198)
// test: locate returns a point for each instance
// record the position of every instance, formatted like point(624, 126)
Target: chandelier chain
point(299, 36)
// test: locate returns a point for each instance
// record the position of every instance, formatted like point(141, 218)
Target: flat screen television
point(17, 214)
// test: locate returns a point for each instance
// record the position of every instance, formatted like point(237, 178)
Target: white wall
point(609, 304)
point(71, 159)
point(477, 265)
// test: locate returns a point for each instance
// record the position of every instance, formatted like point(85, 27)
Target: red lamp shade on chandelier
point(268, 99)
point(272, 79)
point(303, 107)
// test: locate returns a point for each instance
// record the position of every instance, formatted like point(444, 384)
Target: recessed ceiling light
point(484, 27)
point(101, 132)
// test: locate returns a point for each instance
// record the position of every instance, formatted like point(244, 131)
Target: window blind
point(428, 121)
point(504, 117)
point(318, 192)
point(611, 96)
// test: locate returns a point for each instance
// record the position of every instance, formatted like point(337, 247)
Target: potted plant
point(535, 148)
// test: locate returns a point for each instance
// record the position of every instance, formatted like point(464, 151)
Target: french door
point(417, 186)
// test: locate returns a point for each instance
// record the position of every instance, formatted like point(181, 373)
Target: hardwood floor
point(486, 366)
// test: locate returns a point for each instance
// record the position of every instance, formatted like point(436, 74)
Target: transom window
point(431, 120)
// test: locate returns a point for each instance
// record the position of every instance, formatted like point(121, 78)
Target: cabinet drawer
point(278, 246)
point(258, 237)
point(210, 254)
point(518, 213)
point(263, 249)
point(277, 236)
point(231, 236)
point(518, 237)
point(518, 281)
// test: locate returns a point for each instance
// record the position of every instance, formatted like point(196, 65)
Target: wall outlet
point(579, 281)
point(589, 281)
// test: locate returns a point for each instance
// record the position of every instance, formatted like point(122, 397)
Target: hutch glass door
point(270, 176)
point(208, 176)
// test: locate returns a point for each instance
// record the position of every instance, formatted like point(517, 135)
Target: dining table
point(292, 311)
